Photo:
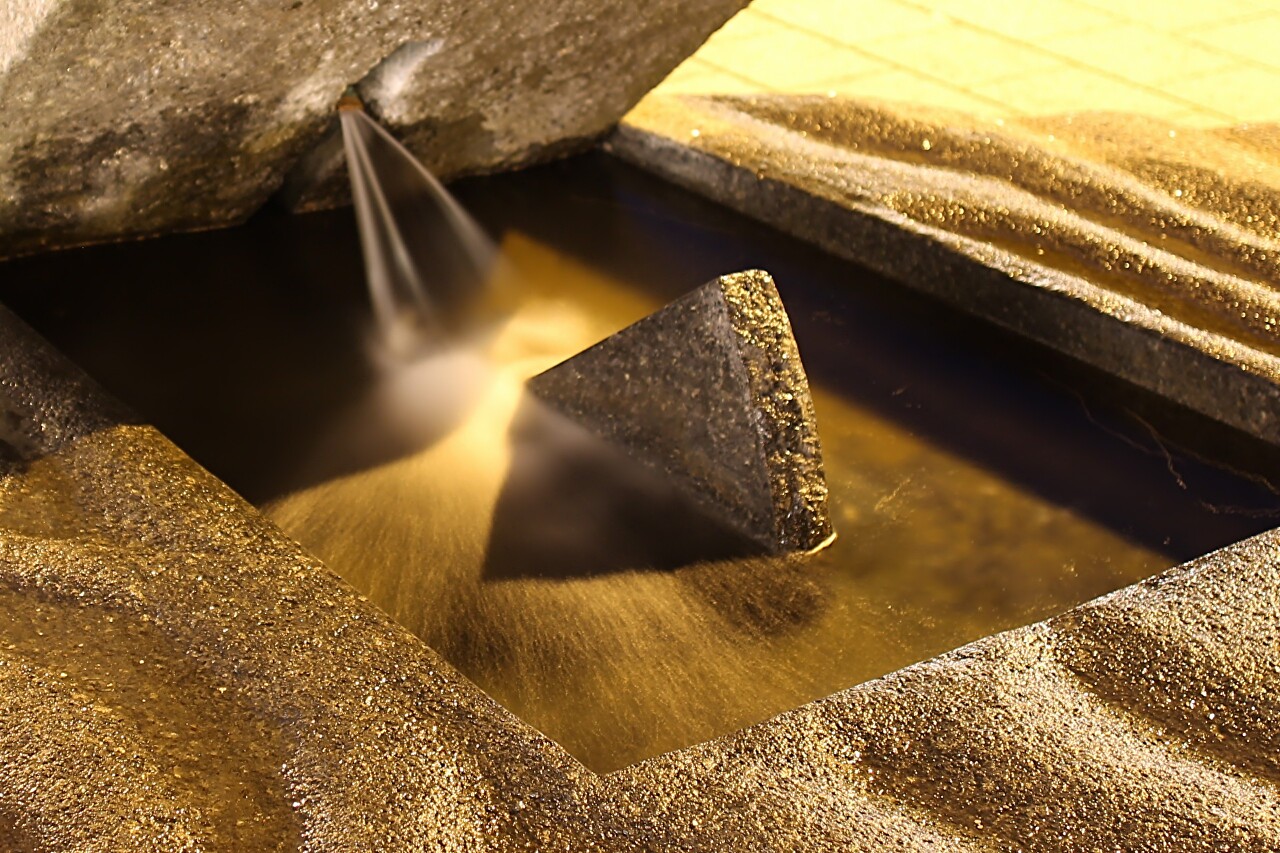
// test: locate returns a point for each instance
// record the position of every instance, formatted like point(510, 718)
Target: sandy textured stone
point(1145, 250)
point(136, 117)
point(711, 390)
point(176, 674)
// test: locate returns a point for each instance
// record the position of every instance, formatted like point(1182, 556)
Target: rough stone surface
point(1148, 251)
point(711, 390)
point(131, 118)
point(176, 674)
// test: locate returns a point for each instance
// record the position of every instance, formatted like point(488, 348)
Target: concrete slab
point(1132, 246)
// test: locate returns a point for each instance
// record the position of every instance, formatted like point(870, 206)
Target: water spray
point(430, 268)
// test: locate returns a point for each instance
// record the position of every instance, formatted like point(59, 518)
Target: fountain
point(613, 660)
point(548, 564)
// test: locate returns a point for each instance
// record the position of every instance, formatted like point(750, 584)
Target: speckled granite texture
point(176, 674)
point(711, 390)
point(1145, 249)
point(136, 117)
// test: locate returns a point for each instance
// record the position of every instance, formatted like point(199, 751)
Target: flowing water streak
point(426, 259)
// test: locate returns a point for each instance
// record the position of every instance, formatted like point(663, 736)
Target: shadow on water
point(152, 322)
point(250, 347)
point(573, 505)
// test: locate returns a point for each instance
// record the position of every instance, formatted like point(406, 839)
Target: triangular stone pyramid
point(710, 389)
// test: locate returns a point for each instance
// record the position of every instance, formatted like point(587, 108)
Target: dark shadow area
point(11, 460)
point(245, 346)
point(574, 505)
point(762, 598)
point(12, 838)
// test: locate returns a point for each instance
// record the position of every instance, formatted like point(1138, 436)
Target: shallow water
point(976, 485)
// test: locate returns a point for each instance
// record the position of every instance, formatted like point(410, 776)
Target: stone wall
point(138, 117)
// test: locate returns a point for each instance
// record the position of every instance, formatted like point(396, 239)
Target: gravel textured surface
point(1147, 251)
point(710, 390)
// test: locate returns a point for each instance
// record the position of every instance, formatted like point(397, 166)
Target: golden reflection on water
point(620, 665)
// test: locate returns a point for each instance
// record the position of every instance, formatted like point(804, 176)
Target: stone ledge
point(1028, 247)
point(140, 117)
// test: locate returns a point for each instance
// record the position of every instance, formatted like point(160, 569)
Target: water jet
point(429, 265)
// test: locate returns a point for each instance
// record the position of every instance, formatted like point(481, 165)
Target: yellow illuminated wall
point(1191, 62)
